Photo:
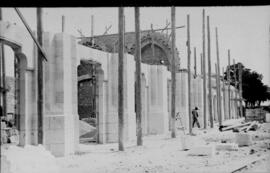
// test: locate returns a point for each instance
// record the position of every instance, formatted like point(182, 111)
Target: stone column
point(61, 114)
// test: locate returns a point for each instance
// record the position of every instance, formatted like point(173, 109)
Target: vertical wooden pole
point(240, 89)
point(209, 74)
point(235, 91)
point(229, 83)
point(138, 77)
point(195, 62)
point(189, 76)
point(173, 73)
point(121, 80)
point(40, 76)
point(201, 63)
point(216, 77)
point(63, 23)
point(92, 29)
point(204, 72)
point(224, 93)
point(218, 81)
point(3, 68)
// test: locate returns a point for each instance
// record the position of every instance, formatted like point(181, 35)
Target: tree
point(254, 91)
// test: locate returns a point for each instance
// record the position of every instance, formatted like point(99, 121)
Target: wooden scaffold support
point(121, 80)
point(138, 77)
point(189, 77)
point(173, 73)
point(209, 74)
point(218, 81)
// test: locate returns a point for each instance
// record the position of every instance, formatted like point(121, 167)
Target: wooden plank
point(32, 35)
point(121, 80)
point(173, 73)
point(189, 76)
point(235, 126)
point(138, 77)
point(209, 74)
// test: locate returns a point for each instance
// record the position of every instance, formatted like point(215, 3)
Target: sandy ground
point(164, 154)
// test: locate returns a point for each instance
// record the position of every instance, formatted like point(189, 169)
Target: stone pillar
point(158, 95)
point(129, 91)
point(182, 97)
point(61, 114)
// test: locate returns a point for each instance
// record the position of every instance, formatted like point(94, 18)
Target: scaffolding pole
point(204, 72)
point(138, 77)
point(40, 76)
point(218, 80)
point(189, 76)
point(209, 74)
point(173, 73)
point(229, 83)
point(121, 80)
point(240, 89)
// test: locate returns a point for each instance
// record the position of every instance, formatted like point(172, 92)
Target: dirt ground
point(164, 154)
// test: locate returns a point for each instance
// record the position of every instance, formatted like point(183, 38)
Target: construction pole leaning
point(40, 81)
point(189, 76)
point(229, 83)
point(209, 74)
point(121, 80)
point(204, 72)
point(173, 73)
point(218, 81)
point(138, 77)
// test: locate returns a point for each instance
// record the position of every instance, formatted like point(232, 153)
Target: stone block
point(202, 151)
point(227, 147)
point(243, 139)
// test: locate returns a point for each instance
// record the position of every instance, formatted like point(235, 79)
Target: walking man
point(195, 116)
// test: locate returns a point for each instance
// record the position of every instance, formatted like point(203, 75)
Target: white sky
point(244, 30)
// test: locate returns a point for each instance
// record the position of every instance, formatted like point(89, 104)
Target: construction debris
point(243, 139)
point(207, 150)
point(227, 147)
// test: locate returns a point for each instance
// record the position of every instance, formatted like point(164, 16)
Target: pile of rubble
point(9, 133)
point(231, 136)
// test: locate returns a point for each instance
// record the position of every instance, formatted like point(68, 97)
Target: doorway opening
point(88, 100)
point(13, 66)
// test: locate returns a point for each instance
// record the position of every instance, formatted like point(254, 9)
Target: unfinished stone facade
point(61, 82)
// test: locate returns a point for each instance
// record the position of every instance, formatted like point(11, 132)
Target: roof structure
point(156, 46)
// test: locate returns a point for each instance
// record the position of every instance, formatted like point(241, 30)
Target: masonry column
point(61, 115)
